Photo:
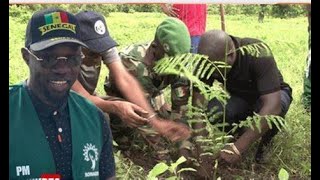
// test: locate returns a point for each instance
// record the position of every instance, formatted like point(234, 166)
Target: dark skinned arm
point(271, 105)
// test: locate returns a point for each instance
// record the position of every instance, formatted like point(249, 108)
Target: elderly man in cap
point(54, 130)
point(136, 111)
point(171, 39)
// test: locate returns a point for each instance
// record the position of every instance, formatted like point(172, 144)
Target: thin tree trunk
point(223, 27)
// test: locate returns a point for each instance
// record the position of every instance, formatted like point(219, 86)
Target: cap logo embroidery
point(57, 21)
point(99, 27)
point(166, 47)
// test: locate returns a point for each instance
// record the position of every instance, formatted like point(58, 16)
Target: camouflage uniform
point(306, 95)
point(153, 84)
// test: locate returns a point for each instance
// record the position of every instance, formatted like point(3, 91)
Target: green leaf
point(283, 174)
point(157, 170)
point(173, 166)
point(186, 169)
point(172, 178)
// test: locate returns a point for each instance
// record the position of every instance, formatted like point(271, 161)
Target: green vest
point(29, 153)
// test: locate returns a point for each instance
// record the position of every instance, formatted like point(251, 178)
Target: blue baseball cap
point(50, 27)
point(94, 31)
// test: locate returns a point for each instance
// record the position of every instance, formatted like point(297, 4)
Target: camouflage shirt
point(132, 58)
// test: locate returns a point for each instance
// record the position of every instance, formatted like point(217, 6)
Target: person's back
point(193, 15)
point(243, 79)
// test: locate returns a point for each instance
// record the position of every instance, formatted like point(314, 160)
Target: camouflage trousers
point(306, 95)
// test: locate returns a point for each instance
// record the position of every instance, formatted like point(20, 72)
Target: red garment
point(194, 16)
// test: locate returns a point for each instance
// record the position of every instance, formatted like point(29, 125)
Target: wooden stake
point(222, 17)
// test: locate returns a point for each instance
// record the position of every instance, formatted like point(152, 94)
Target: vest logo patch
point(23, 170)
point(90, 153)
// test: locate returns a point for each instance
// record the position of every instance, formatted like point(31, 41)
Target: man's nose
point(62, 66)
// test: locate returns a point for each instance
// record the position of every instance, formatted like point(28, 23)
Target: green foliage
point(126, 169)
point(283, 174)
point(157, 170)
point(281, 11)
point(255, 121)
point(161, 168)
point(232, 9)
point(25, 11)
point(194, 67)
point(287, 10)
point(250, 9)
point(256, 50)
point(197, 68)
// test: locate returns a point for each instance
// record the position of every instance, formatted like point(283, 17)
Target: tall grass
point(287, 39)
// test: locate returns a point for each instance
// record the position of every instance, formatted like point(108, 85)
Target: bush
point(279, 11)
point(250, 9)
point(25, 11)
point(130, 8)
point(232, 9)
point(287, 11)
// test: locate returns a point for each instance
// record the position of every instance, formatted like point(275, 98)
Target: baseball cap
point(94, 31)
point(174, 36)
point(50, 27)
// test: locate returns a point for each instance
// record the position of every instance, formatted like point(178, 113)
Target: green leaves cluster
point(195, 68)
point(161, 168)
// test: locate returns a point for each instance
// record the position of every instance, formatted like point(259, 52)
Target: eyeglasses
point(49, 61)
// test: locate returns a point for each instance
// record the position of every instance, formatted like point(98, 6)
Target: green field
point(286, 37)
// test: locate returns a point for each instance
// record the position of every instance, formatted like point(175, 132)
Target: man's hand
point(130, 113)
point(230, 154)
point(169, 10)
point(174, 131)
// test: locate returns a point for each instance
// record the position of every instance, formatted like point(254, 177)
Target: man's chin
point(58, 97)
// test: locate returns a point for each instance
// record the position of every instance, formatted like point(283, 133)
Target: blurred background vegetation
point(277, 11)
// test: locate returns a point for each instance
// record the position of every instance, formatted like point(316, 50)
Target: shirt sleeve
point(180, 92)
point(266, 75)
point(107, 163)
point(137, 69)
point(110, 56)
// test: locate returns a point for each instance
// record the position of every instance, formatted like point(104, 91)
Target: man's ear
point(25, 55)
point(231, 58)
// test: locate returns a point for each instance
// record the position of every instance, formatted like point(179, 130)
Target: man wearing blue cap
point(136, 112)
point(54, 130)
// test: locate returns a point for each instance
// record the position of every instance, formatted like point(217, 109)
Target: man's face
point(156, 52)
point(224, 65)
point(224, 68)
point(52, 78)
